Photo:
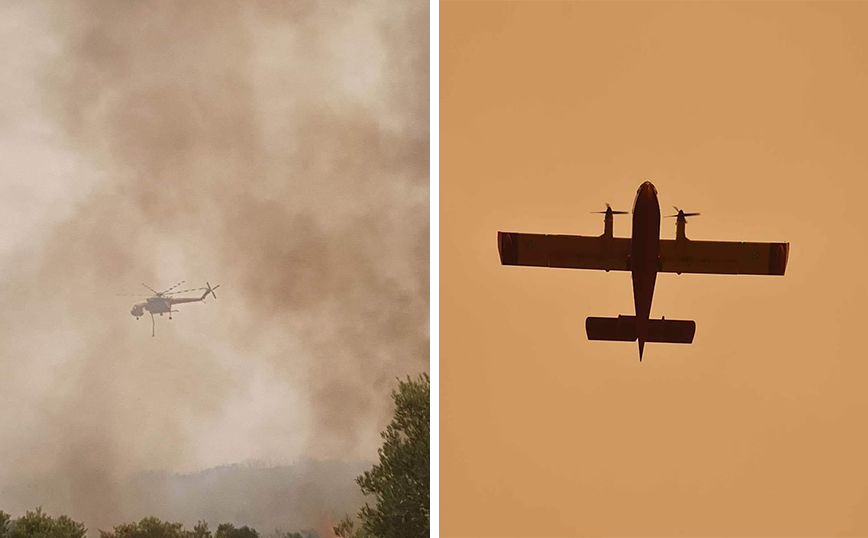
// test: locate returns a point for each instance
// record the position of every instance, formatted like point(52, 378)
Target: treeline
point(399, 485)
point(38, 524)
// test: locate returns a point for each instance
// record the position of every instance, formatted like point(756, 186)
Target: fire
point(328, 528)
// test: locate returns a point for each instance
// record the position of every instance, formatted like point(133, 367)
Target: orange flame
point(328, 528)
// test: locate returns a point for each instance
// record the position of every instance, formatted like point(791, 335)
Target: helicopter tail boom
point(210, 290)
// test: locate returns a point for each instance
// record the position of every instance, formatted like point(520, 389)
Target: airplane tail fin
point(623, 329)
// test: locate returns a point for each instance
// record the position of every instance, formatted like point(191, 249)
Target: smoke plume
point(279, 149)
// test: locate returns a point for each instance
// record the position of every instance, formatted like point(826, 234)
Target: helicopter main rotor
point(165, 293)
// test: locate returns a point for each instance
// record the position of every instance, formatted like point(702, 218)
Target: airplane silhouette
point(644, 255)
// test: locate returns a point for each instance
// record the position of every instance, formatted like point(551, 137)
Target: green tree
point(200, 531)
point(4, 524)
point(38, 524)
point(306, 533)
point(149, 527)
point(228, 530)
point(400, 482)
point(346, 528)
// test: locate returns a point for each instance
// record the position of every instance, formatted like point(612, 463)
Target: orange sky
point(754, 114)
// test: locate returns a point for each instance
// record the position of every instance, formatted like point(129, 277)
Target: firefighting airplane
point(644, 256)
point(162, 301)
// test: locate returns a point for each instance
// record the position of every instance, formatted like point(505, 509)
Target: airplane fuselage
point(645, 256)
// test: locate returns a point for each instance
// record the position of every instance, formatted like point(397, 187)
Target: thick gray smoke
point(279, 149)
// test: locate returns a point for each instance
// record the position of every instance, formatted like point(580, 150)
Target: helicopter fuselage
point(158, 305)
point(154, 305)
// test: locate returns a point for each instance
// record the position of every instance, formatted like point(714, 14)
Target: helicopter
point(163, 301)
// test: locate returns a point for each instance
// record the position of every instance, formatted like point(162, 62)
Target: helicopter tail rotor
point(210, 290)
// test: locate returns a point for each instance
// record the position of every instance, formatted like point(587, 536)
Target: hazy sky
point(753, 114)
point(278, 149)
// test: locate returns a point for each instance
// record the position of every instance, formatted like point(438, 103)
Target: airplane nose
point(648, 189)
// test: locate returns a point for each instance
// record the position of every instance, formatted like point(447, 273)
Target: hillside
point(303, 495)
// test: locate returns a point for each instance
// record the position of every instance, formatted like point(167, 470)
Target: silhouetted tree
point(38, 524)
point(401, 481)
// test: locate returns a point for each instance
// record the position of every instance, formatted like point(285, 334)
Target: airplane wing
point(567, 251)
point(723, 257)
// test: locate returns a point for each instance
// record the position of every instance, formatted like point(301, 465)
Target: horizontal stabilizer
point(623, 329)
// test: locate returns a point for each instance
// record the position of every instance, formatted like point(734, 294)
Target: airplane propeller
point(681, 214)
point(610, 210)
